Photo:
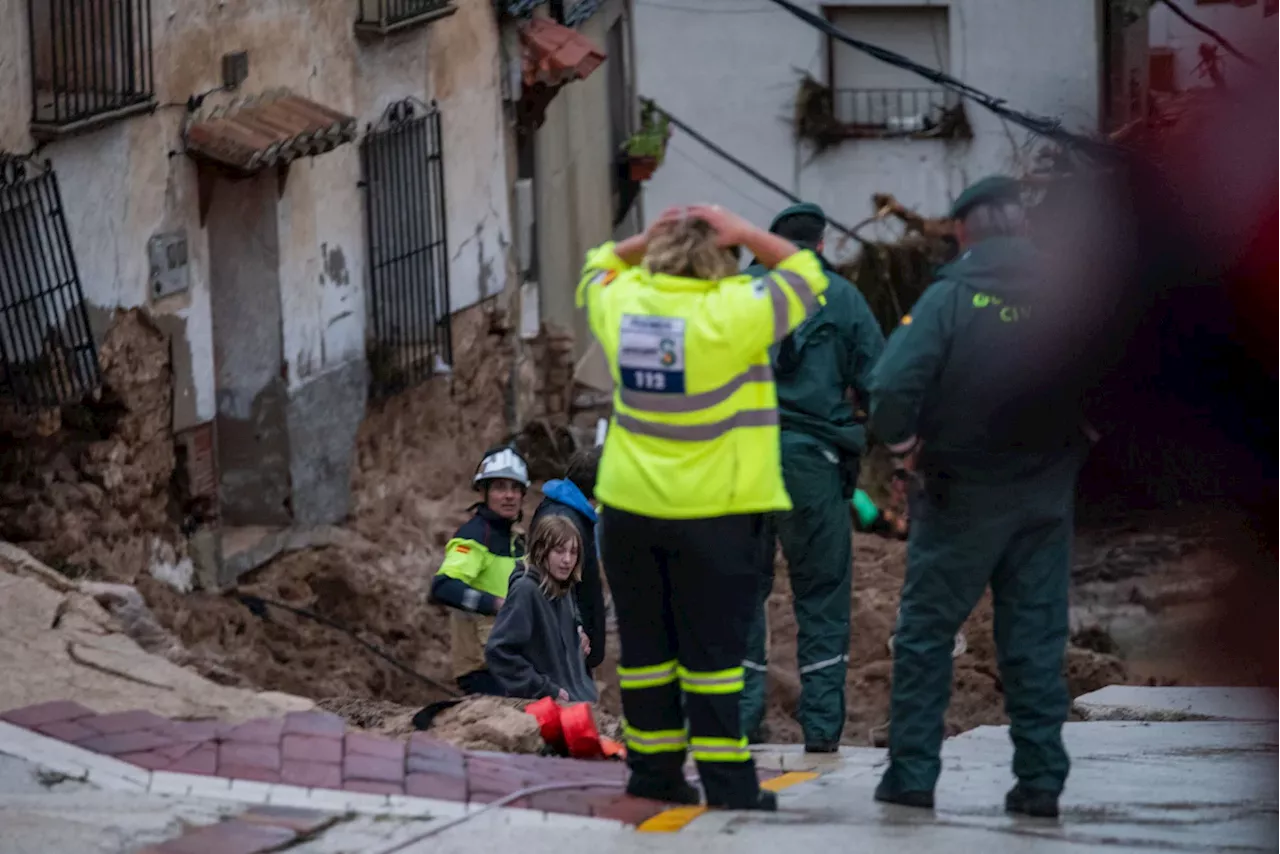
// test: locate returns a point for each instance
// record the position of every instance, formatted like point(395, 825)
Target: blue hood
point(567, 493)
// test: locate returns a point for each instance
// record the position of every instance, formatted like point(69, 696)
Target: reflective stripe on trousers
point(717, 682)
point(720, 749)
point(823, 665)
point(655, 741)
point(650, 676)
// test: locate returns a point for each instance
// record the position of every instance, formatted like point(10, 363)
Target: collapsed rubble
point(92, 496)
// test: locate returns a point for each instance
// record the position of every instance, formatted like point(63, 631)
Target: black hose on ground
point(258, 605)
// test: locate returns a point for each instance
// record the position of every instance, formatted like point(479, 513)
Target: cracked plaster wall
point(122, 183)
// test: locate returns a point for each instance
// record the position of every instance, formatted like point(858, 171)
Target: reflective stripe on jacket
point(695, 421)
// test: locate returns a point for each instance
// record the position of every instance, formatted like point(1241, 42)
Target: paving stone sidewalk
point(316, 750)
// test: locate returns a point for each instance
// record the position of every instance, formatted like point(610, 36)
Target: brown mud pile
point(85, 489)
point(977, 695)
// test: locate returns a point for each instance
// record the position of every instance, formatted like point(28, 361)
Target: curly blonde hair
point(547, 534)
point(689, 248)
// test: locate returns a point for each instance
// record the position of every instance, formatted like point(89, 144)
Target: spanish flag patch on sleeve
point(462, 549)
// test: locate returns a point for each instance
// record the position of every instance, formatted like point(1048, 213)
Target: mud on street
point(95, 503)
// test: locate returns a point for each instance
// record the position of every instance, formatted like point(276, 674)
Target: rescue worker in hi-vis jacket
point(478, 562)
point(968, 389)
point(690, 468)
point(821, 369)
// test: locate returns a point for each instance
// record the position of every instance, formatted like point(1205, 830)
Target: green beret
point(993, 188)
point(800, 209)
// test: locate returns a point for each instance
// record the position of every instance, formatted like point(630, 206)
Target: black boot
point(674, 790)
point(822, 747)
point(762, 801)
point(1038, 803)
point(920, 800)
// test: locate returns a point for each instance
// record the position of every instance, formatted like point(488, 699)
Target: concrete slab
point(42, 812)
point(1134, 786)
point(1138, 703)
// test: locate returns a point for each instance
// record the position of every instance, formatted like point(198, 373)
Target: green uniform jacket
point(966, 373)
point(832, 351)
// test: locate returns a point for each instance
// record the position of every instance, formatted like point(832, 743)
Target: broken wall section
point(86, 488)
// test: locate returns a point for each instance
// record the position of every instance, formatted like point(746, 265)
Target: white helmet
point(504, 463)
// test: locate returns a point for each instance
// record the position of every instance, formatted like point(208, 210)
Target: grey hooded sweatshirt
point(533, 650)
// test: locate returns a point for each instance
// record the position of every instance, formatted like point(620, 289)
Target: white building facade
point(732, 70)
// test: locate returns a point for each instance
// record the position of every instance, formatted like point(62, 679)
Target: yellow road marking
point(677, 818)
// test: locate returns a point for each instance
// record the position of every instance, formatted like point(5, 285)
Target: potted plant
point(647, 145)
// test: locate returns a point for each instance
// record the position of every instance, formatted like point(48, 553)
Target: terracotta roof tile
point(272, 129)
point(555, 54)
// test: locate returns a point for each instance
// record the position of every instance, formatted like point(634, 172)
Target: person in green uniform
point(996, 429)
point(821, 370)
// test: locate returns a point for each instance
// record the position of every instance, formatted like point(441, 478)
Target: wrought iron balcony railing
point(91, 62)
point(381, 17)
point(892, 112)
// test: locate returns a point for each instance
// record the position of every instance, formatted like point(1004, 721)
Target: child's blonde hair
point(688, 247)
point(547, 534)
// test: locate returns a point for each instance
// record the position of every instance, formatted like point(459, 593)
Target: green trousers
point(1015, 538)
point(817, 540)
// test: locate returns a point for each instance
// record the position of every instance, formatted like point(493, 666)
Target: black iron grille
point(47, 355)
point(89, 59)
point(387, 13)
point(892, 110)
point(403, 163)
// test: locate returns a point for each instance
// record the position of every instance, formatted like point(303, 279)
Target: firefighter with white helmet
point(478, 562)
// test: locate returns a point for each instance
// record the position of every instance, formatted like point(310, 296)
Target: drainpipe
point(633, 94)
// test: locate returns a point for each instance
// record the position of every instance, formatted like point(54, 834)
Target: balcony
point(379, 18)
point(91, 63)
point(909, 113)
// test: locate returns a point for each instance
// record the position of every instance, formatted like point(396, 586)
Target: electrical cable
point(1208, 31)
point(1040, 125)
point(257, 606)
point(699, 10)
point(502, 802)
point(715, 149)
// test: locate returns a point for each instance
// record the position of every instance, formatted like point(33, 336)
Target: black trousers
point(684, 593)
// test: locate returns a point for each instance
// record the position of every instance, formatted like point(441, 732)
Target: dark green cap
point(993, 188)
point(799, 209)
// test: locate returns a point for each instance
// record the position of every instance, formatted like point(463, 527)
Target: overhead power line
point(1041, 125)
point(715, 149)
point(1208, 31)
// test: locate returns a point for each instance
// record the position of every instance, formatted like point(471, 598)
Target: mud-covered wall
point(122, 183)
point(87, 489)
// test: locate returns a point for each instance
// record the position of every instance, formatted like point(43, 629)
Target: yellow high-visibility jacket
point(695, 411)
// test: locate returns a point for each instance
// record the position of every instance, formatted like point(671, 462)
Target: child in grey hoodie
point(537, 647)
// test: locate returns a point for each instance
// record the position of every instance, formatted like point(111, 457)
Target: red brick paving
point(248, 753)
point(122, 722)
point(313, 747)
point(66, 731)
point(46, 713)
point(357, 767)
point(372, 745)
point(313, 775)
point(373, 787)
point(313, 750)
point(314, 723)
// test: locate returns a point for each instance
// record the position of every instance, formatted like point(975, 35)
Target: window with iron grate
point(47, 353)
point(381, 17)
point(873, 98)
point(408, 299)
point(91, 62)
